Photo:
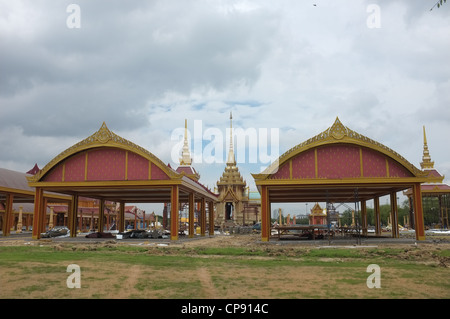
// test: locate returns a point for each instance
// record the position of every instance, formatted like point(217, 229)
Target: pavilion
point(340, 165)
point(107, 167)
point(17, 196)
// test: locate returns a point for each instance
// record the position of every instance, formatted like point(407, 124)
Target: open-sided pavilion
point(107, 167)
point(340, 165)
point(14, 188)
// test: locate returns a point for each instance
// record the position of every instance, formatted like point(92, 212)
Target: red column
point(418, 212)
point(122, 217)
point(394, 215)
point(211, 218)
point(265, 214)
point(377, 216)
point(38, 212)
point(8, 215)
point(174, 202)
point(364, 217)
point(203, 219)
point(73, 216)
point(191, 215)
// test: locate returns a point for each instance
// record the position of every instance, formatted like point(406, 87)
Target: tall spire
point(426, 159)
point(185, 154)
point(231, 159)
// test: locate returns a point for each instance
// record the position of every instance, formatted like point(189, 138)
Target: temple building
point(236, 204)
point(318, 215)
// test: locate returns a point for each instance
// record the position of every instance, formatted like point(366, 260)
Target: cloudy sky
point(143, 67)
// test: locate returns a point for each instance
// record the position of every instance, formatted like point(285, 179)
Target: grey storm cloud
point(145, 66)
point(124, 54)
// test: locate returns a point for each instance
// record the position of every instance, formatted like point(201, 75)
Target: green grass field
point(139, 272)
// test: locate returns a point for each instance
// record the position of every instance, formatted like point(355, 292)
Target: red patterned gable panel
point(282, 173)
point(55, 175)
point(137, 167)
point(397, 170)
point(75, 168)
point(106, 164)
point(158, 173)
point(303, 165)
point(374, 163)
point(338, 161)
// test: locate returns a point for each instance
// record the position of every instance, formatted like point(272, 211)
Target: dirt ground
point(234, 280)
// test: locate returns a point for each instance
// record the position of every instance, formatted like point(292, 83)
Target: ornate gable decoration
point(103, 137)
point(338, 133)
point(337, 130)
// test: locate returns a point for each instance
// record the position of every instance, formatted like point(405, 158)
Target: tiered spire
point(185, 154)
point(186, 160)
point(426, 158)
point(231, 174)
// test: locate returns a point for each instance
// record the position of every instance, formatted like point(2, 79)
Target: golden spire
point(426, 159)
point(185, 154)
point(231, 159)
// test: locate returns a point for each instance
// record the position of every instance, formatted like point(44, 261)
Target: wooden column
point(394, 215)
point(364, 217)
point(121, 226)
point(73, 216)
point(418, 212)
point(8, 215)
point(211, 218)
point(377, 216)
point(191, 215)
point(38, 212)
point(265, 214)
point(101, 215)
point(203, 219)
point(174, 204)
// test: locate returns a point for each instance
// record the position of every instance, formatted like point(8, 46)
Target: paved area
point(336, 241)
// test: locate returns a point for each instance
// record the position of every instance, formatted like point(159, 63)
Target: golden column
point(19, 222)
point(50, 221)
